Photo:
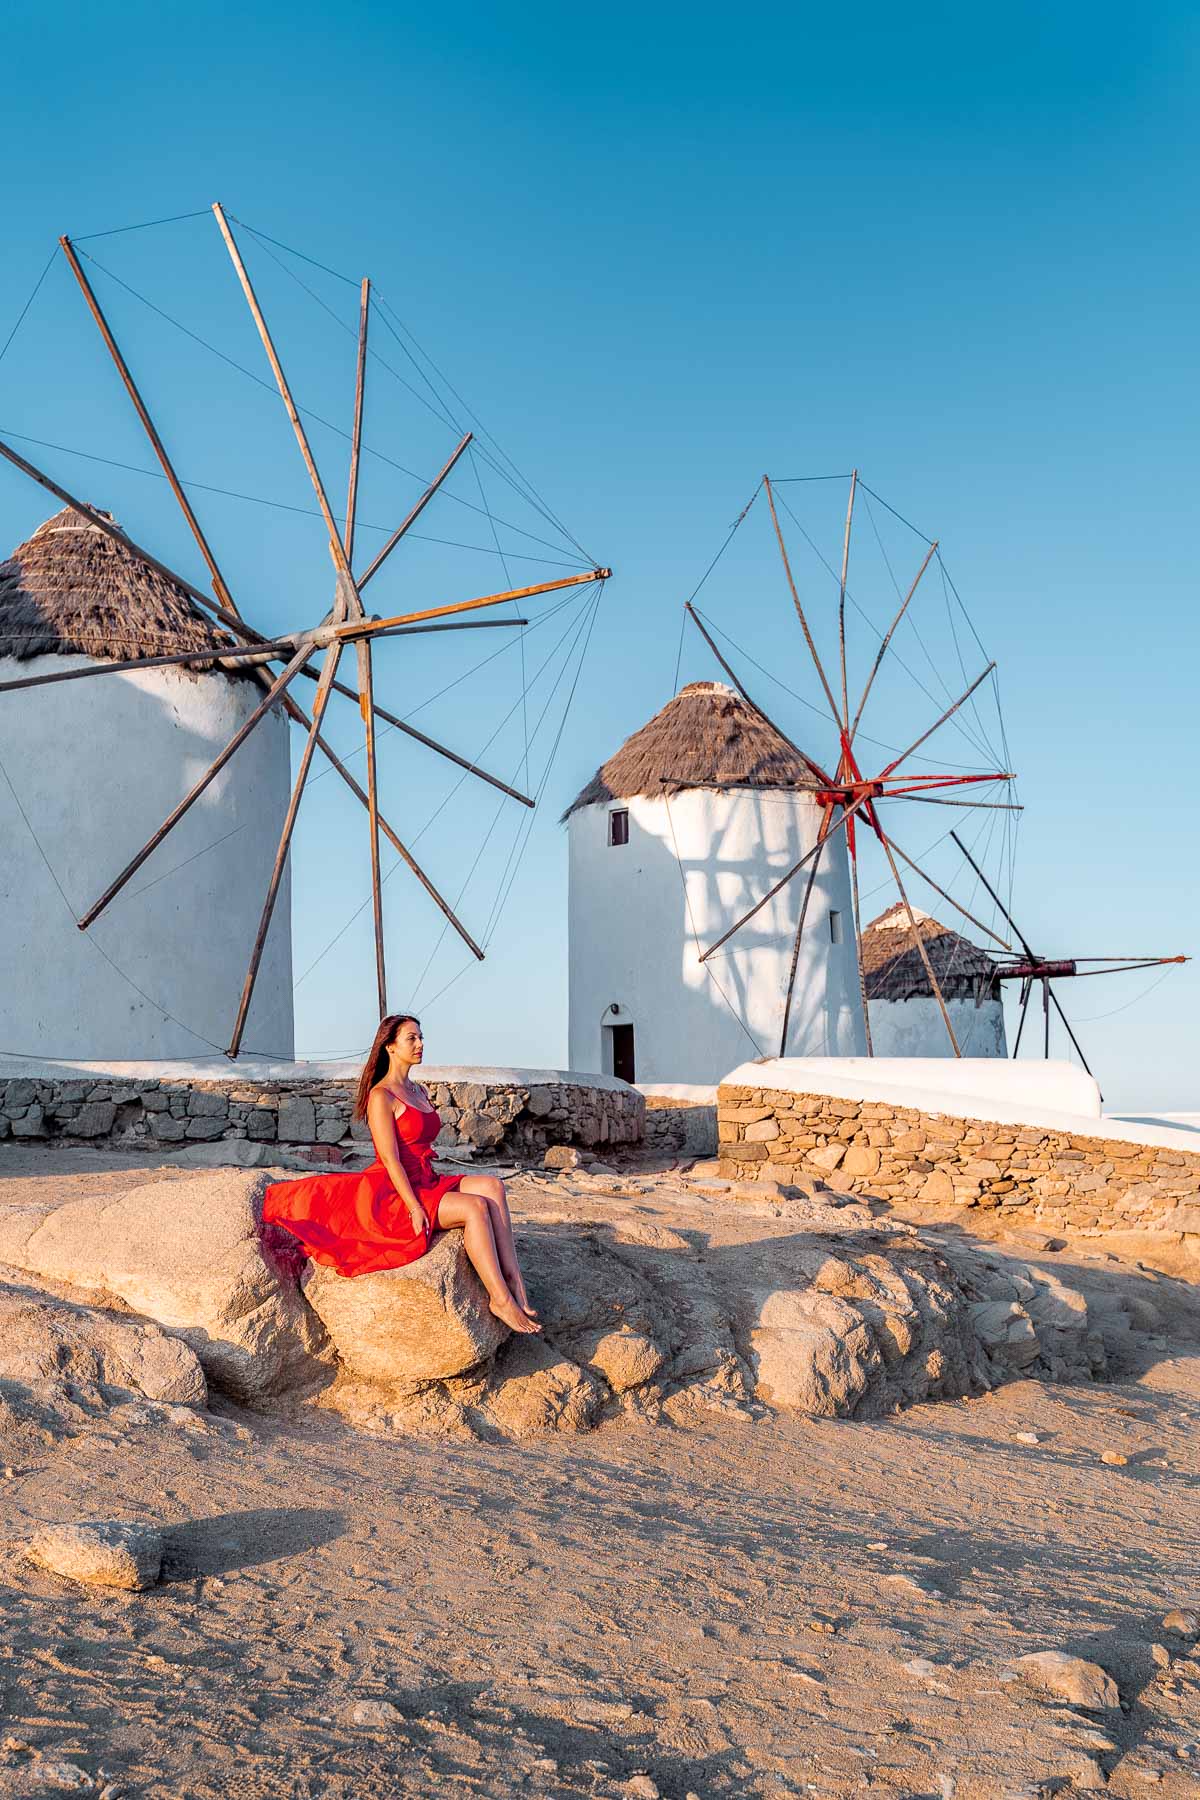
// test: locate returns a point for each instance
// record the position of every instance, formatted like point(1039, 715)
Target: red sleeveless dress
point(358, 1224)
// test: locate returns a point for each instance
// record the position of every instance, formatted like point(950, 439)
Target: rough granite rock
point(857, 1332)
point(536, 1390)
point(104, 1553)
point(46, 1339)
point(1070, 1678)
point(597, 1307)
point(186, 1254)
point(402, 1327)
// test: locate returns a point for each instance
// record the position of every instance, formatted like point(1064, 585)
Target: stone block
point(260, 1124)
point(540, 1103)
point(331, 1131)
point(206, 1130)
point(937, 1189)
point(762, 1131)
point(297, 1120)
point(107, 1553)
point(562, 1156)
point(94, 1119)
point(859, 1160)
point(207, 1106)
point(154, 1100)
point(478, 1129)
point(827, 1159)
point(166, 1129)
point(32, 1125)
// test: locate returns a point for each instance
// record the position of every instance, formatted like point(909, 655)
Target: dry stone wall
point(1059, 1180)
point(680, 1128)
point(505, 1117)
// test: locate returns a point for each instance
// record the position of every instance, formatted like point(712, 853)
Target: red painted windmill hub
point(850, 797)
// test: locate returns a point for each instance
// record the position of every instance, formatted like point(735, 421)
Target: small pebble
point(1028, 1437)
point(1161, 1655)
point(1183, 1619)
point(908, 1584)
point(1114, 1458)
point(375, 1712)
point(640, 1787)
point(65, 1776)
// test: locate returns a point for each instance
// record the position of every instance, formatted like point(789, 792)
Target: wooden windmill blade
point(253, 651)
point(795, 962)
point(851, 798)
point(1035, 968)
point(224, 595)
point(294, 711)
point(366, 683)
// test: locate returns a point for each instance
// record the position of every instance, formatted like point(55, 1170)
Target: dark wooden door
point(622, 1046)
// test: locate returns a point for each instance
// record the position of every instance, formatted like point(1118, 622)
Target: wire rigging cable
point(308, 512)
point(307, 412)
point(516, 479)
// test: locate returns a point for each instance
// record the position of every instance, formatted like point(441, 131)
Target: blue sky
point(659, 253)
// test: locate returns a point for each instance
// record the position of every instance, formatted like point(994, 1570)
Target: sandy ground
point(750, 1608)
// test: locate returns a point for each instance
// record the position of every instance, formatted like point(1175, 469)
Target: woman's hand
point(416, 1213)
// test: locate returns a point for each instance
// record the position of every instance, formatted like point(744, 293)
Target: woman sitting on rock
point(385, 1216)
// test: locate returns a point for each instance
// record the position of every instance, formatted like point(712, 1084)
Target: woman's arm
point(382, 1121)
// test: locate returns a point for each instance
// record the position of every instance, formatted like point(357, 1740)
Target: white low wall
point(1052, 1094)
point(248, 1071)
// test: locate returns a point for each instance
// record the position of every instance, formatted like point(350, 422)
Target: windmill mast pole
point(842, 599)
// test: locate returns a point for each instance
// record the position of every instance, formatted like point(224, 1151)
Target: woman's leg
point(471, 1212)
point(491, 1189)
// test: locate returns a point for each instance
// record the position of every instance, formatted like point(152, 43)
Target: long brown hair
point(376, 1065)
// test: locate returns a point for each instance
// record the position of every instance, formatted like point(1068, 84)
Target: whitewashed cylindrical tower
point(906, 1019)
point(91, 769)
point(677, 836)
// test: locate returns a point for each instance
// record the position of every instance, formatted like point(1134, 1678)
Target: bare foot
point(517, 1289)
point(512, 1315)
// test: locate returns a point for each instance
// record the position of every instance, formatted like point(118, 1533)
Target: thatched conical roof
point(706, 737)
point(892, 966)
point(72, 590)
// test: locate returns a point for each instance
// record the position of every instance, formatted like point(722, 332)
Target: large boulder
point(189, 1255)
point(47, 1339)
point(853, 1332)
point(404, 1327)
